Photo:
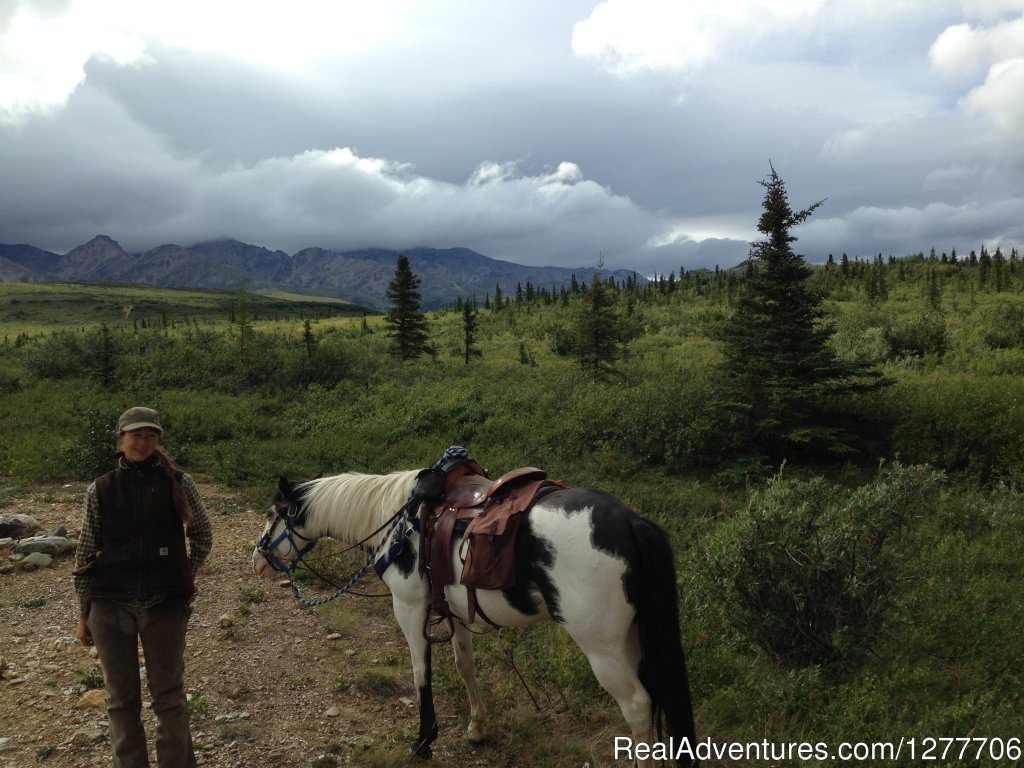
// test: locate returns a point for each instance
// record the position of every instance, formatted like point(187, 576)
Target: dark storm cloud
point(494, 128)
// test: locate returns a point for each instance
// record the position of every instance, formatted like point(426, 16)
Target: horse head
point(285, 538)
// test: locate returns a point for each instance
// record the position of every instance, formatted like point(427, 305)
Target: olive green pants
point(117, 630)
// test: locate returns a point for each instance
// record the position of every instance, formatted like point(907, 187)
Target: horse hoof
point(475, 734)
point(423, 753)
point(422, 747)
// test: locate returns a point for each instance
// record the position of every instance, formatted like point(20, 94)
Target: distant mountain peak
point(102, 240)
point(359, 276)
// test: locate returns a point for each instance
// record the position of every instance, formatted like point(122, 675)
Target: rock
point(49, 545)
point(332, 712)
point(84, 737)
point(60, 530)
point(334, 636)
point(93, 699)
point(18, 526)
point(232, 717)
point(225, 620)
point(35, 560)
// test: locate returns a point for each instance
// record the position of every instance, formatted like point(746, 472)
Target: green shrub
point(917, 336)
point(960, 423)
point(197, 704)
point(61, 355)
point(90, 451)
point(807, 571)
point(90, 679)
point(10, 382)
point(1004, 326)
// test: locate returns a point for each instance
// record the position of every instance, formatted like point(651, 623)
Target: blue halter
point(267, 547)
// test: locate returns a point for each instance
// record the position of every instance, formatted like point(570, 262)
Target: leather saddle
point(486, 513)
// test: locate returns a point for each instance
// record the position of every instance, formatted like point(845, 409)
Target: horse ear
point(284, 487)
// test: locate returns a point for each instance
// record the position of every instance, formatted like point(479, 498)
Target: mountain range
point(361, 277)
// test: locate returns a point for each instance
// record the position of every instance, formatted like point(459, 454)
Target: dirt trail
point(272, 684)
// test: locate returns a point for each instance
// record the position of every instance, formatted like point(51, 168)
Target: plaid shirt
point(90, 541)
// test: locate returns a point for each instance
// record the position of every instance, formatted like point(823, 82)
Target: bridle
point(266, 546)
point(393, 541)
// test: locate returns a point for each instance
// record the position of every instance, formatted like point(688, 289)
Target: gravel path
point(271, 684)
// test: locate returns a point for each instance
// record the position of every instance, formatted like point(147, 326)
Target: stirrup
point(442, 638)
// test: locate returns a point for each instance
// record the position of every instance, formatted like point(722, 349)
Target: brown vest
point(143, 546)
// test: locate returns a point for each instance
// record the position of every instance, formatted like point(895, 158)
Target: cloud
point(119, 178)
point(1001, 98)
point(630, 36)
point(497, 126)
point(47, 44)
point(44, 50)
point(870, 230)
point(962, 50)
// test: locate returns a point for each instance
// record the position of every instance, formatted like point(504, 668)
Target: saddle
point(486, 513)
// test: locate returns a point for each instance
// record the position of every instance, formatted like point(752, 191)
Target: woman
point(135, 581)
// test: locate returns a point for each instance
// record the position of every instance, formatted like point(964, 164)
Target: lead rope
point(392, 537)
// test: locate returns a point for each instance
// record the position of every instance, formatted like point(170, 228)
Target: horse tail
point(662, 662)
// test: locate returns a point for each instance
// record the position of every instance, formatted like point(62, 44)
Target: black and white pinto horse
point(584, 560)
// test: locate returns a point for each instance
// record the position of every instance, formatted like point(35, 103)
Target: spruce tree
point(469, 331)
point(308, 337)
point(597, 330)
point(407, 325)
point(784, 385)
point(241, 317)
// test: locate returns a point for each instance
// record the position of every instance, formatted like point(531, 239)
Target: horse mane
point(350, 506)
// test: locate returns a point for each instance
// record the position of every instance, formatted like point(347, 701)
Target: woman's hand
point(82, 633)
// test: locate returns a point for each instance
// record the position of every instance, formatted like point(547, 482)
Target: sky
point(628, 133)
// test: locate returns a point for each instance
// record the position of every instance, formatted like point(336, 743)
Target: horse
point(584, 560)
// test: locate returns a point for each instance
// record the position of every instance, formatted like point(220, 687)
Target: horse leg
point(462, 646)
point(616, 671)
point(411, 615)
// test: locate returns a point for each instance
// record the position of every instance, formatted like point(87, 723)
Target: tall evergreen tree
point(784, 384)
point(469, 331)
point(308, 337)
point(407, 325)
point(241, 317)
point(597, 330)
